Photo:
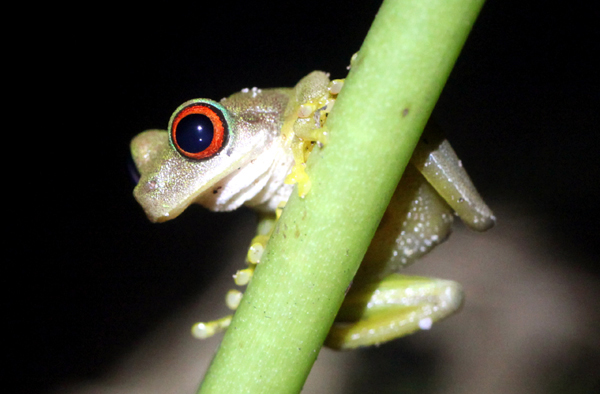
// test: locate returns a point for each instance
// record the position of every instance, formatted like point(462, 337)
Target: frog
point(250, 149)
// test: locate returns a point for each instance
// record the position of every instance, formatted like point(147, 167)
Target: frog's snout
point(146, 148)
point(146, 151)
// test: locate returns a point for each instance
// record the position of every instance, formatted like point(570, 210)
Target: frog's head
point(205, 144)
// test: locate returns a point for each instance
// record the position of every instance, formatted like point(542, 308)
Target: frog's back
point(259, 105)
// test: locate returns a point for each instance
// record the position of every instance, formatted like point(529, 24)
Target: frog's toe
point(233, 299)
point(206, 330)
point(242, 277)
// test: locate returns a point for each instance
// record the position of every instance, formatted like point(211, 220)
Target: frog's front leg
point(266, 225)
point(382, 305)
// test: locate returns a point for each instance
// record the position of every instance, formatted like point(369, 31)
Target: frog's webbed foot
point(398, 305)
point(266, 225)
point(305, 126)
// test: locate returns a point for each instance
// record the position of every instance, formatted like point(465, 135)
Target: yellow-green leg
point(397, 306)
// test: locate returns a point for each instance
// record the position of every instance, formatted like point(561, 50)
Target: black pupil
point(194, 133)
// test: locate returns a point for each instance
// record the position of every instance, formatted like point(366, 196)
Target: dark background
point(93, 275)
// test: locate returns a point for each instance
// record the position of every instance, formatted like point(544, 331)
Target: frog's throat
point(256, 181)
point(259, 184)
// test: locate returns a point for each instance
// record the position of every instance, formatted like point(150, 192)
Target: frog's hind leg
point(416, 220)
point(398, 305)
point(382, 305)
point(437, 161)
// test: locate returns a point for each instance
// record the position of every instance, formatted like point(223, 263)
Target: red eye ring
point(214, 116)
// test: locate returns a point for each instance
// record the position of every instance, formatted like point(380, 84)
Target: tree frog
point(251, 147)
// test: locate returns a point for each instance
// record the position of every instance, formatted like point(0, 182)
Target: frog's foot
point(316, 102)
point(399, 305)
point(316, 95)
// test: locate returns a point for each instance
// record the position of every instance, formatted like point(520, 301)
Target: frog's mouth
point(166, 182)
point(169, 183)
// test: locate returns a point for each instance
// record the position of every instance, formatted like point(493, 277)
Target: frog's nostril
point(134, 174)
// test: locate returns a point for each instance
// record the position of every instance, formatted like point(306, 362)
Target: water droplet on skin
point(425, 324)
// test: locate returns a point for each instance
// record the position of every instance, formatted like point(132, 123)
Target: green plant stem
point(297, 289)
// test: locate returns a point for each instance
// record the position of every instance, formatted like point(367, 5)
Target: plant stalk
point(320, 240)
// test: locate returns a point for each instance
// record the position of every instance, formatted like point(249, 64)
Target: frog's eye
point(199, 130)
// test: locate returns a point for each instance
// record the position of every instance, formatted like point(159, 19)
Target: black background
point(90, 275)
